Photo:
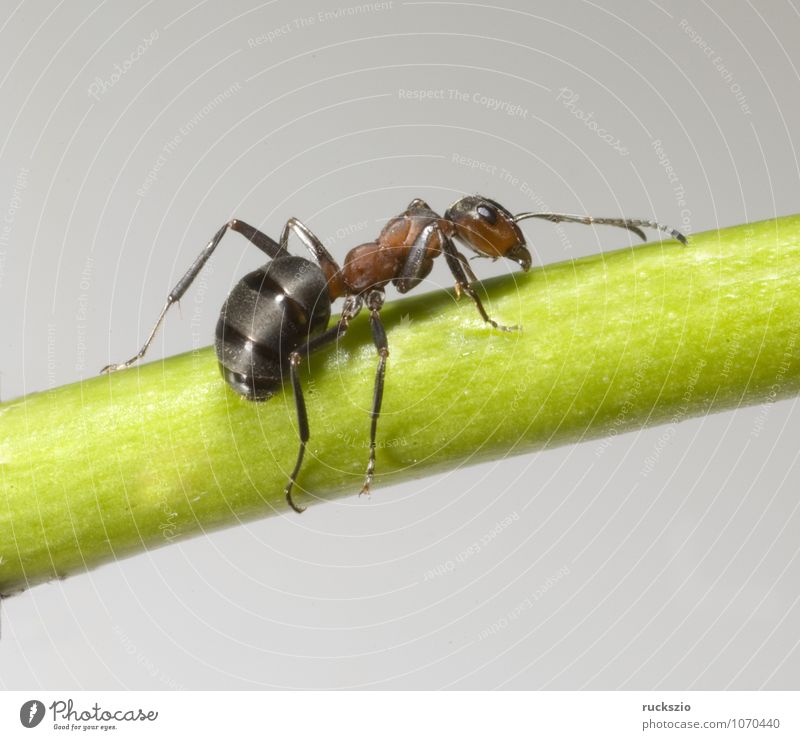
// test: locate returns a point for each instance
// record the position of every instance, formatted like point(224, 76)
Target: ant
point(279, 314)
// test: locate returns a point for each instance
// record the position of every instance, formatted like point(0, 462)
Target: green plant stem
point(100, 469)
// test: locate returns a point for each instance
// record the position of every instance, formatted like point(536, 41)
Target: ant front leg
point(351, 308)
point(374, 303)
point(262, 241)
point(464, 279)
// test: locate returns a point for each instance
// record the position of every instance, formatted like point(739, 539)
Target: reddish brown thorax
point(404, 252)
point(370, 266)
point(375, 264)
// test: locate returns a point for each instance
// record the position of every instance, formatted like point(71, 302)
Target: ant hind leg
point(327, 263)
point(351, 308)
point(262, 241)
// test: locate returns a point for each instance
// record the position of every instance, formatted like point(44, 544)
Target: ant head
point(488, 229)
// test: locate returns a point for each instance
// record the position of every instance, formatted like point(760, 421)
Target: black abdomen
point(269, 313)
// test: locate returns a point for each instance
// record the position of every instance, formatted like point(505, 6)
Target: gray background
point(607, 574)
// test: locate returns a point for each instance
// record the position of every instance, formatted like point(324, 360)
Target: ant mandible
point(278, 314)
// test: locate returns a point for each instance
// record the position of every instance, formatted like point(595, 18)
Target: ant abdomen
point(269, 313)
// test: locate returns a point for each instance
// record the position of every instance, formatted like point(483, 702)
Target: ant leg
point(302, 425)
point(351, 308)
point(259, 239)
point(419, 261)
point(374, 303)
point(464, 278)
point(330, 267)
point(313, 244)
point(631, 224)
point(302, 415)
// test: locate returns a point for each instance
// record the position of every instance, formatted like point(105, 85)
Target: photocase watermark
point(51, 358)
point(775, 389)
point(569, 99)
point(677, 187)
point(169, 524)
point(492, 103)
point(619, 422)
point(527, 191)
point(65, 712)
point(679, 415)
point(200, 286)
point(101, 85)
point(346, 232)
point(464, 96)
point(82, 314)
point(509, 178)
point(448, 566)
point(473, 164)
point(318, 18)
point(734, 338)
point(353, 441)
point(10, 215)
point(527, 603)
point(31, 713)
point(143, 660)
point(520, 393)
point(719, 64)
point(171, 146)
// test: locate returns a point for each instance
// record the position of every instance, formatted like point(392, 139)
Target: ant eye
point(487, 213)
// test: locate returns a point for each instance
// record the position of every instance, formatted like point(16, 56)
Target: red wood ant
point(278, 314)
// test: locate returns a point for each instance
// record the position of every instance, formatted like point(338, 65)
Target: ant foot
point(289, 500)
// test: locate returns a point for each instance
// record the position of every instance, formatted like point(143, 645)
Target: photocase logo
point(31, 713)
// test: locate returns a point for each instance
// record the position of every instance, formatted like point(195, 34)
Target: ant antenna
point(631, 224)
